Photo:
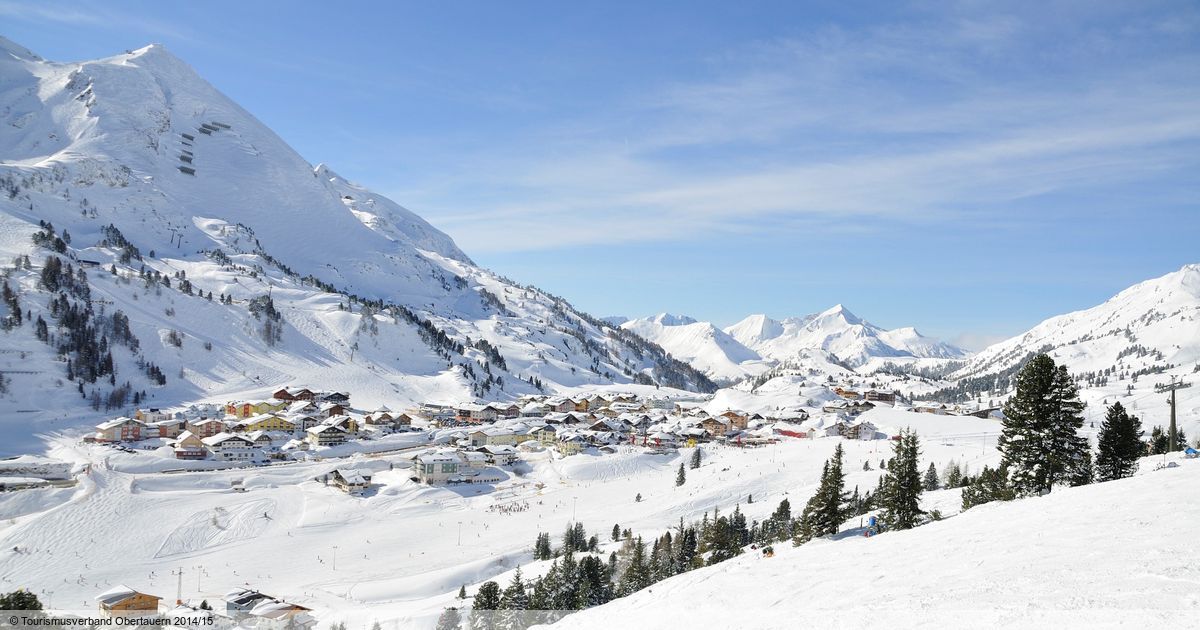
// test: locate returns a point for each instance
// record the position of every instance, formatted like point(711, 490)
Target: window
point(449, 468)
point(428, 468)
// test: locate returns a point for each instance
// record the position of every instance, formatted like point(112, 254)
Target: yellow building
point(246, 408)
point(266, 422)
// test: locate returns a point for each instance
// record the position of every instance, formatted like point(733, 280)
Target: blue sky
point(964, 168)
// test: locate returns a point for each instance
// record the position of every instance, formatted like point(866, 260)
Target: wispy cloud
point(924, 121)
point(103, 15)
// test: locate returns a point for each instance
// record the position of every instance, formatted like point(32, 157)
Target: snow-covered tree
point(825, 511)
point(1120, 444)
point(900, 500)
point(931, 481)
point(1040, 441)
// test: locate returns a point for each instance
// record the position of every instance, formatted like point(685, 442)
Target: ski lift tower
point(1172, 431)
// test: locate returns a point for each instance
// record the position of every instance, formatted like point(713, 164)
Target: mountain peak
point(667, 319)
point(16, 50)
point(839, 311)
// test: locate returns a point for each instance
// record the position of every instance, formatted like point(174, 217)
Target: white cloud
point(919, 121)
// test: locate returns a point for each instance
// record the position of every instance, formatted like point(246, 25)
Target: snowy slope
point(195, 188)
point(1119, 350)
point(838, 331)
point(705, 346)
point(1118, 554)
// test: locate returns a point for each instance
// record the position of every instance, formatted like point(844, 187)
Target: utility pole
point(178, 586)
point(1172, 430)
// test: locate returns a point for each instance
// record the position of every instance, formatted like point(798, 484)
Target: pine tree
point(931, 481)
point(696, 455)
point(637, 574)
point(989, 485)
point(541, 548)
point(1120, 444)
point(20, 599)
point(953, 475)
point(514, 598)
point(462, 592)
point(1040, 441)
point(450, 619)
point(825, 511)
point(487, 600)
point(616, 532)
point(681, 476)
point(1158, 437)
point(900, 501)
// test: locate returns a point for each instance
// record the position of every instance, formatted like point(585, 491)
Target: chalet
point(561, 405)
point(543, 434)
point(608, 424)
point(570, 443)
point(875, 395)
point(350, 481)
point(345, 423)
point(121, 430)
point(931, 407)
point(260, 439)
point(474, 413)
point(534, 410)
point(625, 406)
point(304, 422)
point(230, 447)
point(859, 430)
point(506, 410)
point(304, 394)
point(502, 455)
point(206, 427)
point(325, 435)
point(716, 426)
point(336, 397)
point(190, 446)
point(848, 394)
point(330, 409)
point(122, 601)
point(283, 394)
point(298, 407)
point(382, 415)
point(736, 418)
point(402, 420)
point(581, 404)
point(437, 467)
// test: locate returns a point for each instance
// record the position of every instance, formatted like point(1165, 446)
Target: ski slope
point(1115, 555)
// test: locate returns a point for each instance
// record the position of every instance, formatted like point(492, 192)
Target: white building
point(232, 448)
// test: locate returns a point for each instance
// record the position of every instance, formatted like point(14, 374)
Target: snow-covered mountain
point(701, 344)
point(1155, 322)
point(838, 331)
point(1119, 350)
point(202, 257)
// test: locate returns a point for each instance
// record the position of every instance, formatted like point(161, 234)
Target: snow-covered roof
point(351, 476)
point(223, 437)
point(118, 593)
point(322, 428)
point(116, 422)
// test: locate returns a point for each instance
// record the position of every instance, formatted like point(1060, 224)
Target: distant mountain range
point(758, 342)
